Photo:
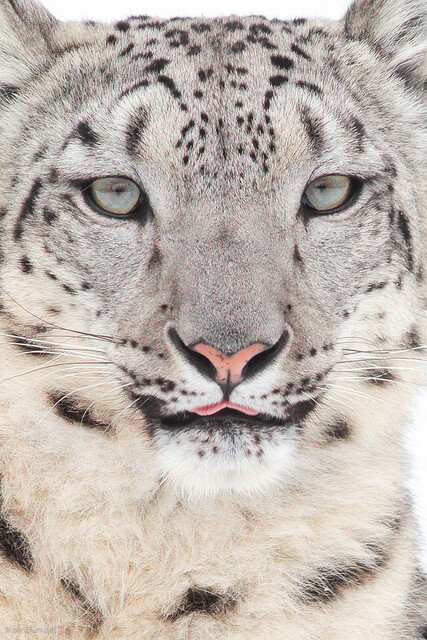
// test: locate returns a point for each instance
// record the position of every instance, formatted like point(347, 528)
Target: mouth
point(228, 418)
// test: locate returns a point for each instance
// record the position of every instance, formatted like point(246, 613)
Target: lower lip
point(224, 419)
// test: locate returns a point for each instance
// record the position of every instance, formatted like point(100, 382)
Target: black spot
point(155, 259)
point(49, 215)
point(194, 50)
point(135, 131)
point(380, 377)
point(203, 601)
point(27, 209)
point(312, 88)
point(376, 286)
point(198, 94)
point(187, 128)
point(300, 410)
point(299, 52)
point(26, 265)
point(329, 583)
point(134, 87)
point(14, 546)
point(282, 62)
point(313, 129)
point(260, 28)
point(359, 130)
point(40, 153)
point(85, 286)
point(412, 339)
point(177, 37)
point(111, 39)
point(403, 225)
point(127, 49)
point(297, 256)
point(90, 612)
point(169, 84)
point(238, 47)
point(149, 406)
point(53, 176)
point(145, 55)
point(68, 289)
point(157, 65)
point(262, 40)
point(277, 81)
point(234, 25)
point(338, 430)
point(27, 346)
point(200, 27)
point(8, 91)
point(267, 99)
point(122, 25)
point(86, 134)
point(69, 408)
point(299, 21)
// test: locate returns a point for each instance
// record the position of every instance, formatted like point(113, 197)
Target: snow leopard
point(213, 325)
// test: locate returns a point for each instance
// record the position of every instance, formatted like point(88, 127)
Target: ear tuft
point(397, 29)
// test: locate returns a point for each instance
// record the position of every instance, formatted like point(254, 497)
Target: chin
point(207, 459)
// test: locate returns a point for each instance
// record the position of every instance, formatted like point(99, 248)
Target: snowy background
point(106, 10)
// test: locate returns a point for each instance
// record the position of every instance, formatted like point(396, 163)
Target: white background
point(106, 10)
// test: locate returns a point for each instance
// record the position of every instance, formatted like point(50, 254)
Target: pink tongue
point(225, 404)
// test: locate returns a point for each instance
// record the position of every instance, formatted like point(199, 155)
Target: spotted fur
point(121, 516)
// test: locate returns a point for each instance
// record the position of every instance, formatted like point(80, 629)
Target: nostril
point(262, 360)
point(201, 362)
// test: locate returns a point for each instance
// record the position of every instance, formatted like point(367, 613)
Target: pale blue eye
point(118, 196)
point(328, 192)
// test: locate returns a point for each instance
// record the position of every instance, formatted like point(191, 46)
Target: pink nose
point(229, 367)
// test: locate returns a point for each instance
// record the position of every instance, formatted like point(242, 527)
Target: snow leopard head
point(224, 208)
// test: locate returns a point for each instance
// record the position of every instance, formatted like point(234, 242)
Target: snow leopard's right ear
point(397, 30)
point(30, 37)
point(25, 29)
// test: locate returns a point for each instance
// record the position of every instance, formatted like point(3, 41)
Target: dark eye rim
point(141, 208)
point(356, 188)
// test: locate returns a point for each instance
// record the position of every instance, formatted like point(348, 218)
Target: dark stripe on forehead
point(358, 130)
point(299, 52)
point(134, 87)
point(309, 86)
point(403, 225)
point(135, 130)
point(313, 128)
point(27, 209)
point(86, 134)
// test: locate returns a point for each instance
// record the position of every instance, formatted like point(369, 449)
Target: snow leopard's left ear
point(397, 29)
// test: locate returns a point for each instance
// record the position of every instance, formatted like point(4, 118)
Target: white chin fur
point(199, 464)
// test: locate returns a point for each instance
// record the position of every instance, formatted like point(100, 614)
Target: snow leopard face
point(222, 208)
